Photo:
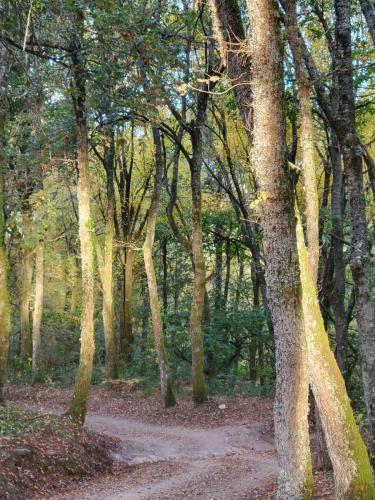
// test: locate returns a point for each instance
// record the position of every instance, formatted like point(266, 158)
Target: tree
point(4, 294)
point(83, 380)
point(275, 195)
point(157, 325)
point(37, 313)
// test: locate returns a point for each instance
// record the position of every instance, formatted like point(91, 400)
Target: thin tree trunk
point(199, 285)
point(127, 331)
point(73, 271)
point(78, 405)
point(165, 277)
point(368, 10)
point(26, 270)
point(37, 313)
point(352, 158)
point(105, 264)
point(352, 469)
point(228, 258)
point(338, 293)
point(4, 294)
point(282, 269)
point(157, 323)
point(217, 277)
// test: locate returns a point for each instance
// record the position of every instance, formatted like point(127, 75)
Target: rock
point(22, 452)
point(222, 407)
point(15, 457)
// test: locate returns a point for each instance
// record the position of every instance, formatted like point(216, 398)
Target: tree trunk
point(368, 10)
point(78, 405)
point(282, 269)
point(157, 323)
point(26, 271)
point(37, 313)
point(309, 175)
point(127, 307)
point(217, 277)
point(4, 294)
point(352, 469)
point(228, 258)
point(105, 264)
point(199, 268)
point(165, 277)
point(352, 158)
point(73, 271)
point(338, 293)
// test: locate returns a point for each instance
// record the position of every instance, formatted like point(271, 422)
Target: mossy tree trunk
point(276, 199)
point(351, 465)
point(4, 294)
point(199, 267)
point(310, 184)
point(157, 323)
point(37, 313)
point(26, 271)
point(78, 404)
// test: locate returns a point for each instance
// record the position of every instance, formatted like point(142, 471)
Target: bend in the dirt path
point(144, 442)
point(218, 463)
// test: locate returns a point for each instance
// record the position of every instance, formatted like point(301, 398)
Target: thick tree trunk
point(78, 404)
point(282, 270)
point(37, 313)
point(352, 469)
point(352, 158)
point(4, 294)
point(157, 323)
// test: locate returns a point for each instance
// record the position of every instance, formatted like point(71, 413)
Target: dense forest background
point(135, 233)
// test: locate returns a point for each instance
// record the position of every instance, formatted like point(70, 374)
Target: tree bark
point(127, 311)
point(157, 323)
point(309, 174)
point(26, 271)
point(352, 159)
point(199, 285)
point(368, 10)
point(337, 297)
point(276, 199)
point(352, 469)
point(73, 278)
point(218, 271)
point(78, 405)
point(105, 264)
point(4, 293)
point(37, 313)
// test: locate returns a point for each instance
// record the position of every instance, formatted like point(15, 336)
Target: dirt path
point(170, 462)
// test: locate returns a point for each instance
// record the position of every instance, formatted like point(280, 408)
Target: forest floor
point(220, 450)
